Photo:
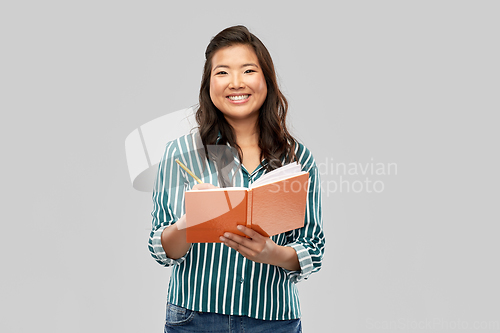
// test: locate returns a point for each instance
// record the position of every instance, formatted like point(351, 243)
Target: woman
point(246, 283)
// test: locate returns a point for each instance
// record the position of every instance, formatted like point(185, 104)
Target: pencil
point(188, 171)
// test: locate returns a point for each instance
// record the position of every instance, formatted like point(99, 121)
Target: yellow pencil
point(188, 171)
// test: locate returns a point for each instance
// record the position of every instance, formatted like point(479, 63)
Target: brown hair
point(274, 140)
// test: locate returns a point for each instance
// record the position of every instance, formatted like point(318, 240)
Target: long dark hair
point(274, 140)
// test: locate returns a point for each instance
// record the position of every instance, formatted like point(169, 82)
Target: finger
point(243, 250)
point(204, 186)
point(231, 243)
point(238, 239)
point(247, 253)
point(249, 232)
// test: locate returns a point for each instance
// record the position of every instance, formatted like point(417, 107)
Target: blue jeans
point(179, 319)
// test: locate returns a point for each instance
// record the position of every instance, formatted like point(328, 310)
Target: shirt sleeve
point(309, 241)
point(168, 199)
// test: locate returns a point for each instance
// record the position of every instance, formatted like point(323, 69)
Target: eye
point(249, 71)
point(221, 73)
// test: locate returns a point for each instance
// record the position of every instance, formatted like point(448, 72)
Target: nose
point(236, 82)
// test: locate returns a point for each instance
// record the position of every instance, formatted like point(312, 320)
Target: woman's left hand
point(258, 248)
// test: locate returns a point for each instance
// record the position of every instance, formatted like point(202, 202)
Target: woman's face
point(237, 84)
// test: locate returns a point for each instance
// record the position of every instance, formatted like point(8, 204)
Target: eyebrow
point(226, 66)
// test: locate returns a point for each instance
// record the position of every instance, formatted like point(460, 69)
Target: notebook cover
point(211, 213)
point(280, 206)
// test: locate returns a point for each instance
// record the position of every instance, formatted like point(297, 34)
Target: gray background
point(412, 83)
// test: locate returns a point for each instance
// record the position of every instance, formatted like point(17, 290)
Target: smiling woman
point(238, 89)
point(242, 283)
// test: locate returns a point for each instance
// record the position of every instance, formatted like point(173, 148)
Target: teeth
point(238, 98)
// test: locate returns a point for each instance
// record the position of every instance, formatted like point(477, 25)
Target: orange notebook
point(273, 204)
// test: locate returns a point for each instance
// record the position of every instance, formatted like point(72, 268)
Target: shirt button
point(242, 280)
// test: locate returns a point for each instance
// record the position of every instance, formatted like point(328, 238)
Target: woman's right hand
point(173, 238)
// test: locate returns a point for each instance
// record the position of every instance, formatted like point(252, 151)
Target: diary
point(273, 204)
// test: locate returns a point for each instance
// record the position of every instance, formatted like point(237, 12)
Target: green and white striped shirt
point(212, 277)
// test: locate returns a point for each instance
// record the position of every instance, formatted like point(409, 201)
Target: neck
point(247, 132)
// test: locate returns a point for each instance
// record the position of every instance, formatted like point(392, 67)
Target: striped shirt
point(212, 277)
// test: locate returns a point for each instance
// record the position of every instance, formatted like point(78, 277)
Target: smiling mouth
point(238, 97)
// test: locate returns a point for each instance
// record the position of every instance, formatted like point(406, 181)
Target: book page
point(286, 171)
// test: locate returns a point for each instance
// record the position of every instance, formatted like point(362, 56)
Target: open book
point(273, 204)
